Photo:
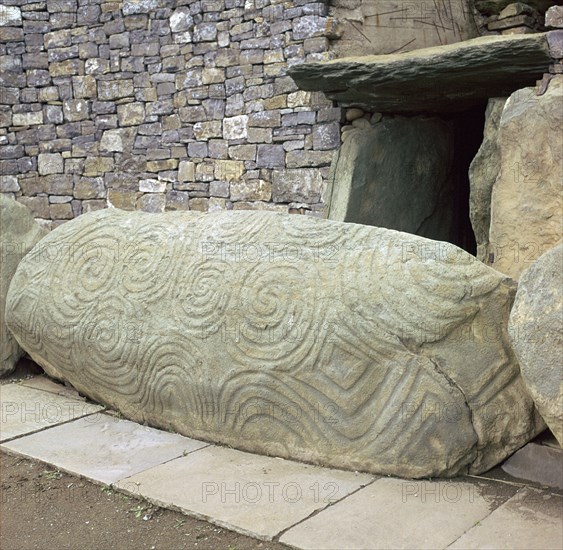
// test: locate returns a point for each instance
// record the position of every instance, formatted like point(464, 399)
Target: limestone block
point(554, 17)
point(50, 163)
point(75, 110)
point(181, 20)
point(297, 185)
point(27, 119)
point(131, 114)
point(333, 343)
point(10, 16)
point(235, 127)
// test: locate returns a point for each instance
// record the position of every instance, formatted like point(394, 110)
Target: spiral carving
point(278, 334)
point(203, 295)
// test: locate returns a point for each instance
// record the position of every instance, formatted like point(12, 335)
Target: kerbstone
point(19, 232)
point(536, 332)
point(269, 307)
point(254, 495)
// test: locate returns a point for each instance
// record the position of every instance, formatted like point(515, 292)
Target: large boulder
point(19, 232)
point(483, 173)
point(536, 332)
point(526, 201)
point(340, 344)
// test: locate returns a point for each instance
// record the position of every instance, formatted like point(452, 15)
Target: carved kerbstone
point(334, 343)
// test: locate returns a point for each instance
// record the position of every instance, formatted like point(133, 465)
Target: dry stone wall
point(162, 105)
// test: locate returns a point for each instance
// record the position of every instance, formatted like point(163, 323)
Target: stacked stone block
point(162, 105)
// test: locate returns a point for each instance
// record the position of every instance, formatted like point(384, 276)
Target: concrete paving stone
point(104, 448)
point(540, 463)
point(530, 519)
point(395, 513)
point(24, 410)
point(46, 384)
point(255, 495)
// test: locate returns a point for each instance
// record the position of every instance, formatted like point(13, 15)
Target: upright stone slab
point(18, 233)
point(339, 344)
point(483, 172)
point(536, 332)
point(395, 174)
point(526, 202)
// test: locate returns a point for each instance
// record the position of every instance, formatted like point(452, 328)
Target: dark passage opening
point(468, 135)
point(410, 174)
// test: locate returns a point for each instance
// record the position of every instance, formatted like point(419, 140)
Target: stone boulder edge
point(332, 343)
point(483, 172)
point(536, 332)
point(469, 72)
point(19, 232)
point(526, 200)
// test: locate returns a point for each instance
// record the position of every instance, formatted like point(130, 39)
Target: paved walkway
point(300, 505)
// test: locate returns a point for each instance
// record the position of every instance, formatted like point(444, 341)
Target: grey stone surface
point(538, 463)
point(393, 513)
point(402, 25)
point(27, 410)
point(50, 163)
point(18, 234)
point(468, 71)
point(530, 519)
point(555, 42)
point(526, 202)
point(483, 172)
point(353, 334)
point(254, 495)
point(554, 17)
point(10, 16)
point(117, 448)
point(396, 174)
point(48, 384)
point(536, 333)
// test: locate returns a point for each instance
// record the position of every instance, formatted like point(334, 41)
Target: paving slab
point(255, 495)
point(530, 519)
point(540, 463)
point(104, 448)
point(46, 384)
point(395, 513)
point(25, 410)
